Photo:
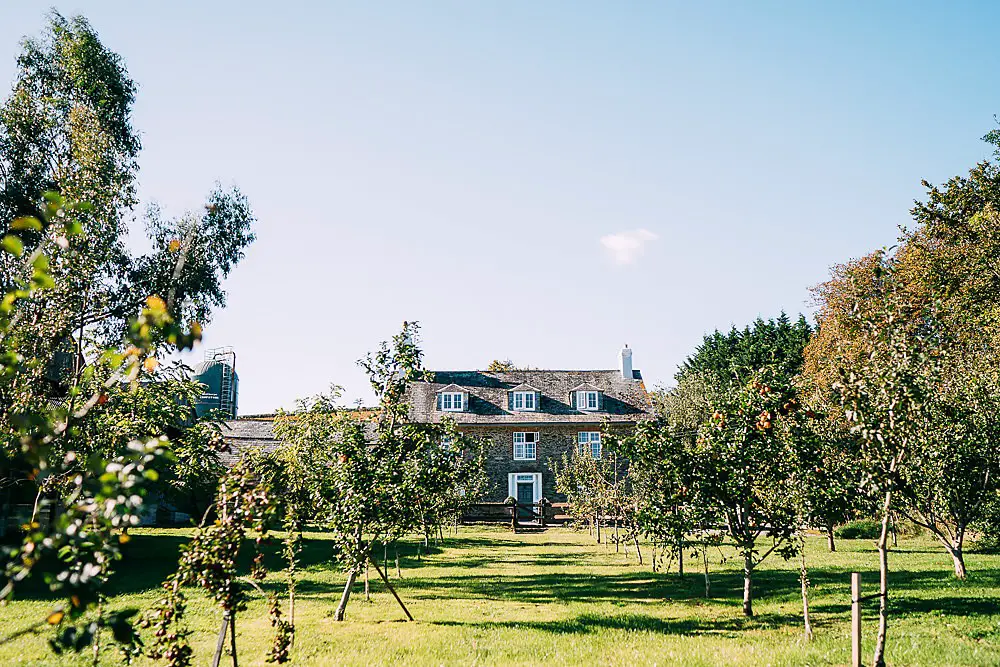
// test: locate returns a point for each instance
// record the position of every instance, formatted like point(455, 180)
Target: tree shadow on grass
point(644, 587)
point(591, 623)
point(149, 559)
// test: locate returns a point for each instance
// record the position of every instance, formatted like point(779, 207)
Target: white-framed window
point(590, 443)
point(525, 446)
point(447, 443)
point(452, 402)
point(525, 400)
point(586, 400)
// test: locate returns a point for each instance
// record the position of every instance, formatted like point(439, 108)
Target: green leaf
point(13, 245)
point(26, 222)
point(42, 280)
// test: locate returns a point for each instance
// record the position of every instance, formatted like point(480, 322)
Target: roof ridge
point(537, 370)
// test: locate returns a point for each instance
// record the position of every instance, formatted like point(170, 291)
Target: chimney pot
point(625, 362)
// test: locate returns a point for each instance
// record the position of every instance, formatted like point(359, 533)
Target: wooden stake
point(391, 589)
point(856, 619)
point(222, 639)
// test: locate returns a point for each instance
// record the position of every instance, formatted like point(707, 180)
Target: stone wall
point(554, 441)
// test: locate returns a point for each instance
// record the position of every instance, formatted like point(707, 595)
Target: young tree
point(947, 484)
point(743, 469)
point(886, 399)
point(589, 485)
point(660, 472)
point(244, 508)
point(375, 478)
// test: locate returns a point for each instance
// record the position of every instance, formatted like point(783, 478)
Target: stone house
point(529, 419)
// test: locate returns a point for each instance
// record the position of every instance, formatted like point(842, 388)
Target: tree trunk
point(368, 595)
point(829, 538)
point(232, 637)
point(291, 610)
point(958, 558)
point(598, 518)
point(680, 557)
point(97, 632)
point(748, 584)
point(342, 607)
point(804, 580)
point(883, 568)
point(708, 582)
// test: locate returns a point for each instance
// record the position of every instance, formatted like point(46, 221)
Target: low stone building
point(529, 419)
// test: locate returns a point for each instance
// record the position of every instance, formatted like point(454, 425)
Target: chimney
point(625, 362)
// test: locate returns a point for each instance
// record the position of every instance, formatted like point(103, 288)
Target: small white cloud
point(627, 247)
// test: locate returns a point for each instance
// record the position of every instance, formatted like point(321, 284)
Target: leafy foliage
point(374, 478)
point(102, 497)
point(244, 507)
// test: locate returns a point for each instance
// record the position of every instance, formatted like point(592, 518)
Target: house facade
point(528, 419)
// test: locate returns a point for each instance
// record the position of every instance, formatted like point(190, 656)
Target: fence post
point(856, 619)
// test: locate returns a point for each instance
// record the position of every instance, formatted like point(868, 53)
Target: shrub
point(987, 543)
point(907, 528)
point(862, 529)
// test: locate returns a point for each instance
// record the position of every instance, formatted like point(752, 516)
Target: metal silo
point(218, 373)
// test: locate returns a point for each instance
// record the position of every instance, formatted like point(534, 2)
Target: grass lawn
point(488, 597)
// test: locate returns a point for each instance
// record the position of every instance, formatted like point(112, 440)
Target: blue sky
point(538, 181)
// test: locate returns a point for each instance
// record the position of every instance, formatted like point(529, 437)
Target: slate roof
point(245, 434)
point(624, 400)
point(256, 432)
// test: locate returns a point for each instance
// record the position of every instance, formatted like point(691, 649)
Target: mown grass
point(488, 597)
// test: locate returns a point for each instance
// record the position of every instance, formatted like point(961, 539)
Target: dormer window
point(587, 400)
point(452, 402)
point(452, 399)
point(525, 400)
